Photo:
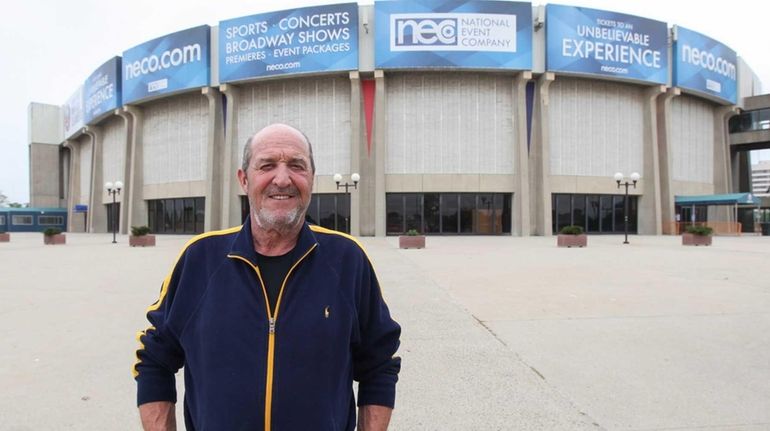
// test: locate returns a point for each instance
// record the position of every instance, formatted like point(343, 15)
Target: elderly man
point(272, 320)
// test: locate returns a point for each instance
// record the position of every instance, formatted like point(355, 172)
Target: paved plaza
point(499, 333)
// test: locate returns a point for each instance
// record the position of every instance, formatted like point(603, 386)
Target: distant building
point(760, 178)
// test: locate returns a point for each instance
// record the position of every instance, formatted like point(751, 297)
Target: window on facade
point(431, 218)
point(750, 121)
point(448, 213)
point(49, 220)
point(2, 220)
point(176, 216)
point(331, 210)
point(595, 213)
point(21, 220)
point(113, 216)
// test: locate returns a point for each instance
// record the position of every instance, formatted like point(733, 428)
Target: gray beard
point(269, 220)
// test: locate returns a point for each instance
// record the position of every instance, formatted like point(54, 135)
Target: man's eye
point(266, 167)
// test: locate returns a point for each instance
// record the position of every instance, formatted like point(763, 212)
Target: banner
point(102, 90)
point(73, 113)
point(175, 62)
point(457, 34)
point(704, 65)
point(596, 42)
point(312, 39)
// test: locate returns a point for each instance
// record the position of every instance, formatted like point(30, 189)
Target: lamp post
point(114, 190)
point(355, 177)
point(623, 181)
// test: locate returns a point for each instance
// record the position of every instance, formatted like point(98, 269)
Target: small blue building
point(32, 219)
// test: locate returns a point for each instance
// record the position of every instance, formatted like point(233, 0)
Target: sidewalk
point(500, 333)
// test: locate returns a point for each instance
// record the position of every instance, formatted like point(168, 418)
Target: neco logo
point(170, 58)
point(423, 29)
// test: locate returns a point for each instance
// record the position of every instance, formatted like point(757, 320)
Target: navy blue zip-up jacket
point(247, 367)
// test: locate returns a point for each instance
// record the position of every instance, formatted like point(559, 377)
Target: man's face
point(279, 178)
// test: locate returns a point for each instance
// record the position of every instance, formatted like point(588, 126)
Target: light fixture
point(354, 177)
point(114, 190)
point(619, 179)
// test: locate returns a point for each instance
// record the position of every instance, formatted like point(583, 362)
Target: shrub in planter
point(412, 239)
point(697, 235)
point(53, 236)
point(572, 236)
point(4, 236)
point(140, 237)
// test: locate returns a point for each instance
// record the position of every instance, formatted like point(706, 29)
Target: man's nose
point(282, 176)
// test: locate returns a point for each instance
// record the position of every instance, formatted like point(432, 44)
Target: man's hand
point(158, 416)
point(374, 418)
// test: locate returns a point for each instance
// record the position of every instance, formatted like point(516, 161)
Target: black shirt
point(273, 270)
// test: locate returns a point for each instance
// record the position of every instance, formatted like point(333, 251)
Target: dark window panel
point(413, 212)
point(606, 214)
point(431, 207)
point(394, 210)
point(200, 213)
point(467, 213)
point(579, 211)
point(592, 213)
point(450, 216)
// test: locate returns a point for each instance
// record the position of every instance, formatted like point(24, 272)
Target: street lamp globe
point(618, 176)
point(108, 185)
point(635, 176)
point(119, 185)
point(337, 178)
point(355, 177)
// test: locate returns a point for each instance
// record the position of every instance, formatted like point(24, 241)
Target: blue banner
point(307, 40)
point(175, 62)
point(704, 65)
point(596, 42)
point(471, 34)
point(101, 92)
point(73, 113)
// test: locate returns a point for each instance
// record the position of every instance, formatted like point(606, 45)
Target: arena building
point(461, 117)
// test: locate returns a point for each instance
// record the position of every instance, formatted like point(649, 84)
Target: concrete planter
point(57, 239)
point(563, 240)
point(692, 239)
point(5, 237)
point(141, 241)
point(413, 241)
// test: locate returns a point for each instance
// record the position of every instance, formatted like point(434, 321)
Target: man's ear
point(243, 180)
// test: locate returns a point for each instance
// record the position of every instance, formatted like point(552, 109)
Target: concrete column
point(123, 219)
point(520, 224)
point(73, 188)
point(650, 216)
point(231, 204)
point(136, 207)
point(540, 159)
point(97, 215)
point(740, 166)
point(378, 142)
point(722, 176)
point(214, 151)
point(357, 146)
point(667, 207)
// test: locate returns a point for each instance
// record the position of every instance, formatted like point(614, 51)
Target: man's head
point(277, 177)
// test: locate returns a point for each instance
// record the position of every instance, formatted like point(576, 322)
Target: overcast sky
point(49, 47)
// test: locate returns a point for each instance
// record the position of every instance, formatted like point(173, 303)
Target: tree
point(3, 199)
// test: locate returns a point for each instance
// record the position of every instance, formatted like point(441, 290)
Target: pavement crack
point(484, 325)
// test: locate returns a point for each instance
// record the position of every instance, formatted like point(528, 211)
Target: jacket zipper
point(272, 317)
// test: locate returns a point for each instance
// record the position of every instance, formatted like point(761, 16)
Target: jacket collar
point(243, 244)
